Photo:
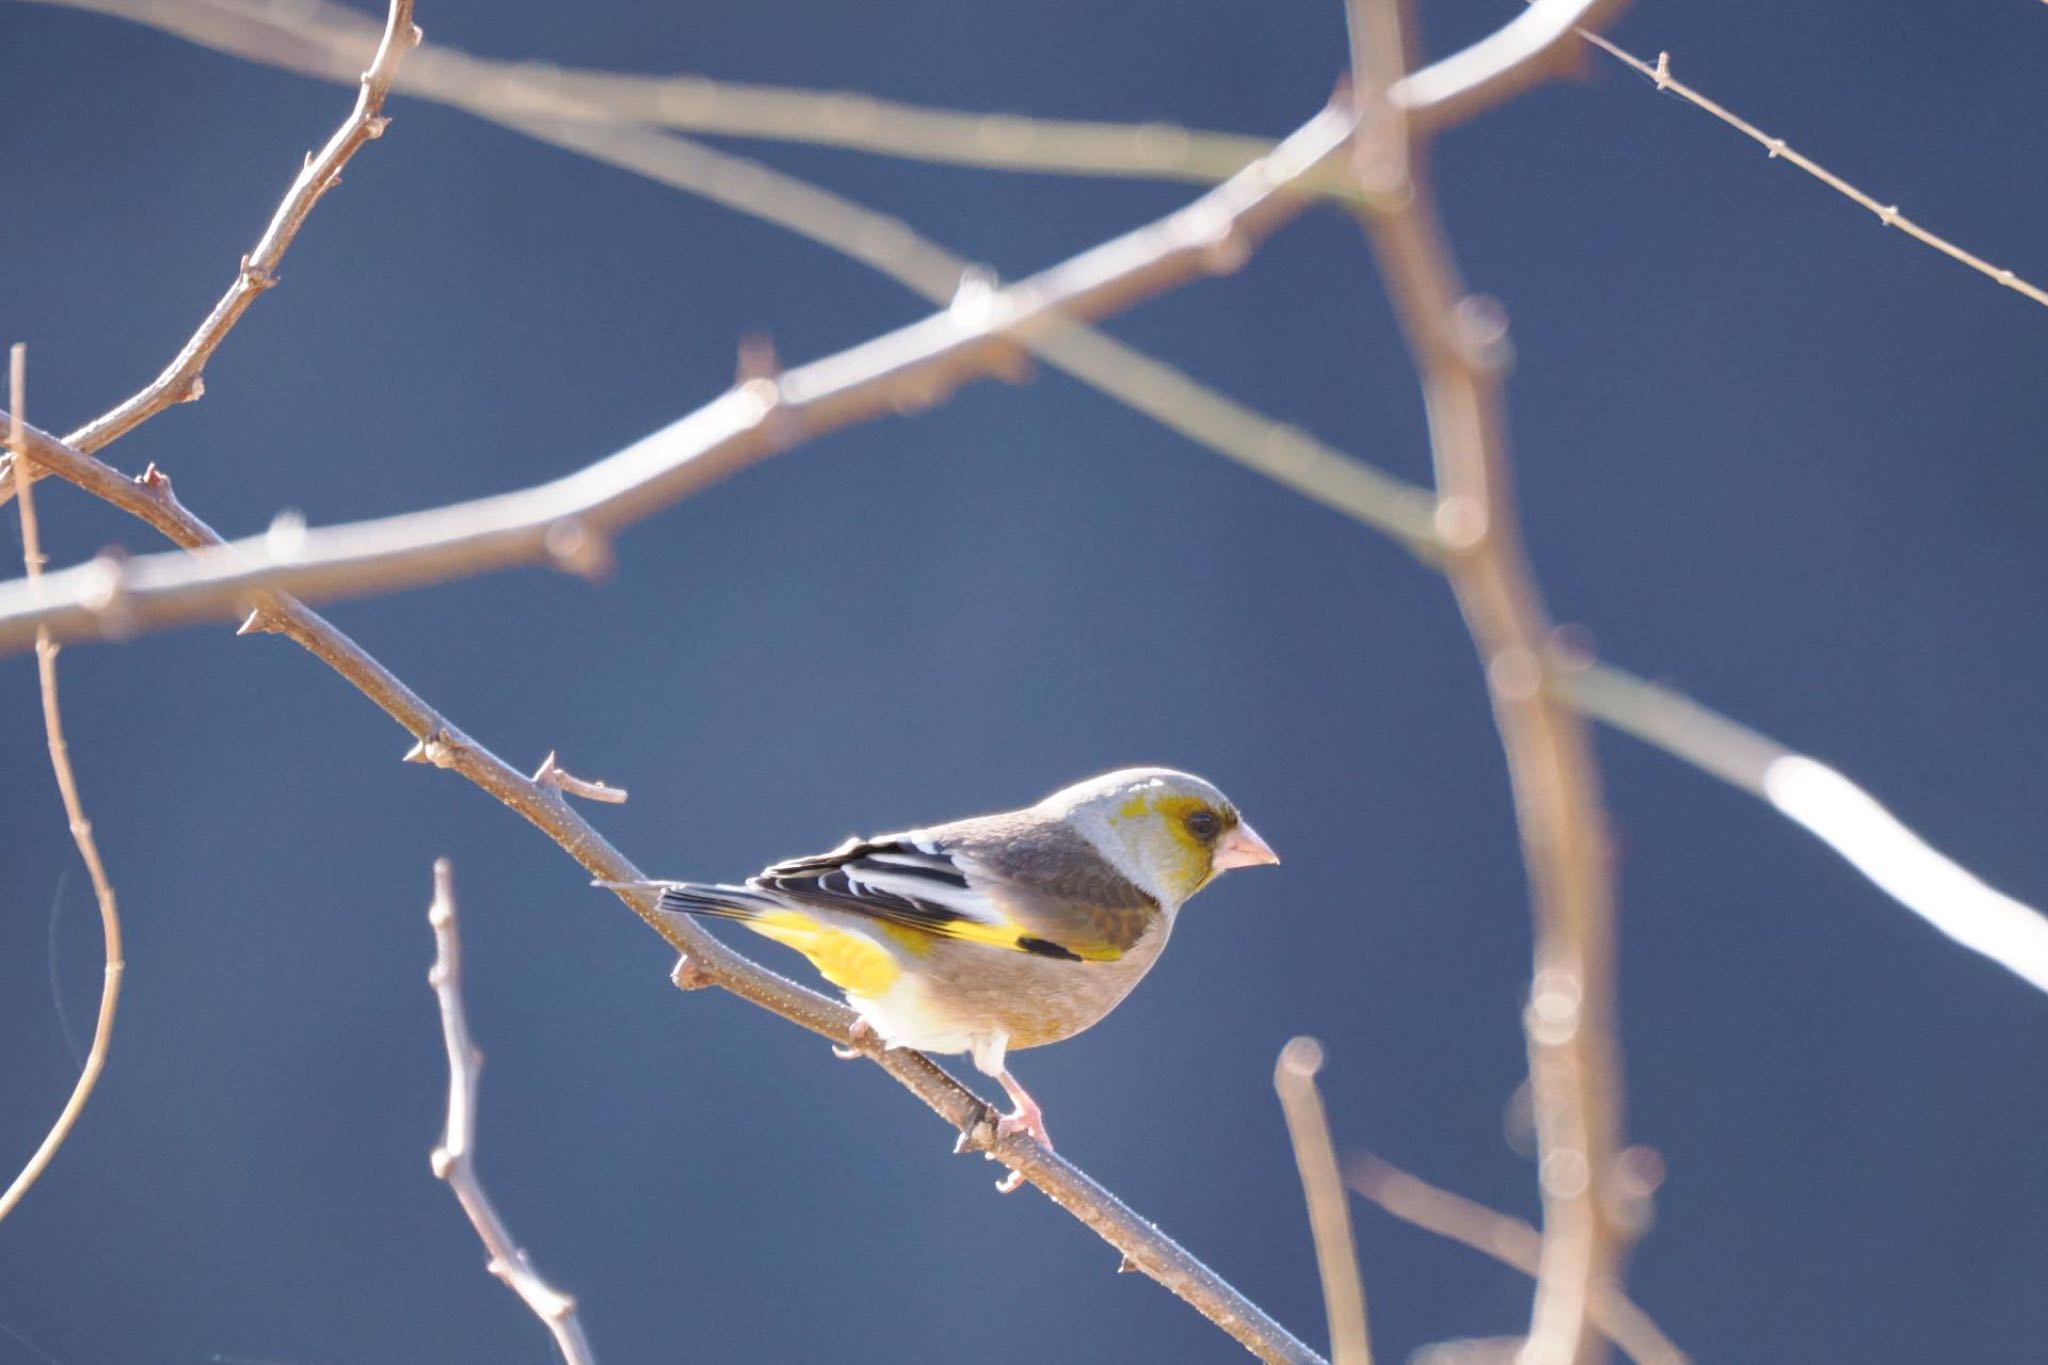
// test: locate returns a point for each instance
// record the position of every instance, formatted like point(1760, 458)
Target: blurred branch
point(1460, 348)
point(1837, 811)
point(1329, 1212)
point(327, 40)
point(571, 520)
point(74, 811)
point(181, 380)
point(1509, 1241)
point(1887, 214)
point(454, 1160)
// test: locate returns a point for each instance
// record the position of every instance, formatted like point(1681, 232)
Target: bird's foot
point(1027, 1117)
point(861, 1041)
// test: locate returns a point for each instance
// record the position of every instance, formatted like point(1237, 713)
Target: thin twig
point(1508, 1240)
point(455, 1161)
point(182, 380)
point(570, 521)
point(1329, 1212)
point(1460, 345)
point(552, 774)
point(74, 812)
point(1887, 214)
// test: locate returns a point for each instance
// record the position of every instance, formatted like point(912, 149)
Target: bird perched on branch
point(1001, 931)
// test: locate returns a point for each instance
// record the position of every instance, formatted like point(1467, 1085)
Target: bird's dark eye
point(1203, 824)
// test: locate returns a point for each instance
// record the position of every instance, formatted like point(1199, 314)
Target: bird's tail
point(710, 900)
point(843, 955)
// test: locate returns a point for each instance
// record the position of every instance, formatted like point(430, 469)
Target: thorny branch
point(1887, 214)
point(570, 521)
point(74, 812)
point(181, 380)
point(1150, 262)
point(1459, 343)
point(1509, 1241)
point(325, 38)
point(454, 1160)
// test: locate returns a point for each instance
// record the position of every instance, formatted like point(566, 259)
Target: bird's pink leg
point(1027, 1117)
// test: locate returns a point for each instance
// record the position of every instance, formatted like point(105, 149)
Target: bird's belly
point(963, 991)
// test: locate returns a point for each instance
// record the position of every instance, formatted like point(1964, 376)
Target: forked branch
point(181, 381)
point(1459, 343)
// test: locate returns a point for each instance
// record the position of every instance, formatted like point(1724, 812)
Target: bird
point(998, 932)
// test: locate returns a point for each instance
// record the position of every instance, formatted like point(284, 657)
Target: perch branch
point(1510, 1241)
point(571, 520)
point(1329, 1212)
point(1459, 344)
point(1092, 276)
point(74, 812)
point(454, 1161)
point(710, 962)
point(181, 380)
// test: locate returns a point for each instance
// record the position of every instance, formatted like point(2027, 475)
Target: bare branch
point(560, 521)
point(181, 380)
point(1508, 1240)
point(326, 40)
point(1837, 811)
point(74, 811)
point(1887, 214)
point(1329, 1212)
point(707, 961)
point(1460, 348)
point(454, 1160)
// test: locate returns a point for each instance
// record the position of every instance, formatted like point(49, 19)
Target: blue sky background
point(1767, 450)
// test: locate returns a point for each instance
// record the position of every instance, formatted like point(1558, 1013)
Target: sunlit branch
point(74, 813)
point(454, 1160)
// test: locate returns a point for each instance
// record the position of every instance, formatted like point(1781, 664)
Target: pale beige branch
point(1508, 1240)
point(74, 813)
point(1329, 1211)
point(707, 961)
point(1887, 214)
point(454, 1160)
point(1459, 344)
point(570, 521)
point(327, 40)
point(181, 381)
point(552, 774)
point(1834, 809)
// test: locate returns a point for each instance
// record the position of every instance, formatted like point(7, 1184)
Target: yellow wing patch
point(847, 958)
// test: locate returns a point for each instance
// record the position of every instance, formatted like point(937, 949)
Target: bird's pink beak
point(1242, 847)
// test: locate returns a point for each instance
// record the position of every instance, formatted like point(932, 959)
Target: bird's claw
point(1025, 1118)
point(860, 1039)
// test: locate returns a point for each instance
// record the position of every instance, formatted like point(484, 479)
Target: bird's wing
point(1047, 896)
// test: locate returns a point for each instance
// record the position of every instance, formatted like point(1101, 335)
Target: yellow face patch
point(1192, 855)
point(849, 960)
